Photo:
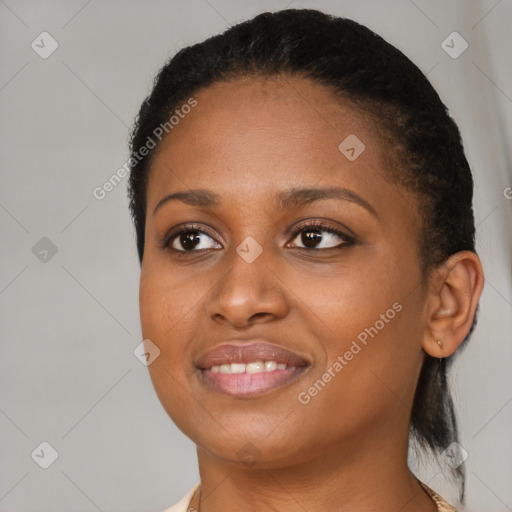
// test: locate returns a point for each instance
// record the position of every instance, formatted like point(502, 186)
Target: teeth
point(252, 367)
point(256, 367)
point(270, 366)
point(225, 368)
point(237, 367)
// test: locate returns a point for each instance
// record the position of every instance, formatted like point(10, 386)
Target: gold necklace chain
point(194, 504)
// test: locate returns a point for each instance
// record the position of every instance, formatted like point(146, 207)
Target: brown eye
point(311, 237)
point(191, 240)
point(319, 237)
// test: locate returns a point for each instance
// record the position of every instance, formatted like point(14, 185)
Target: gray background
point(68, 375)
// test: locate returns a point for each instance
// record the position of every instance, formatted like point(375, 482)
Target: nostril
point(259, 315)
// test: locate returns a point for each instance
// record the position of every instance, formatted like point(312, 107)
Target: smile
point(253, 367)
point(249, 369)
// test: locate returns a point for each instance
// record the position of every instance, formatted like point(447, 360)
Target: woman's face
point(299, 251)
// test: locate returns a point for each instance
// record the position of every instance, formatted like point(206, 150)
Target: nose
point(247, 294)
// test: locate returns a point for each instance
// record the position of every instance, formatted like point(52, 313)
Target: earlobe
point(453, 298)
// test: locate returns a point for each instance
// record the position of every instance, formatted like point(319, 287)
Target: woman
point(303, 210)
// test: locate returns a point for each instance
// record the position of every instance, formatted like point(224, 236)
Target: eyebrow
point(200, 197)
point(301, 196)
point(285, 200)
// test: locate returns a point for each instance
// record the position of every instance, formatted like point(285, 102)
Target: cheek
point(347, 297)
point(166, 313)
point(167, 310)
point(165, 299)
point(368, 322)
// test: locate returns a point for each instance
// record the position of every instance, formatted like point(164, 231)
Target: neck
point(365, 477)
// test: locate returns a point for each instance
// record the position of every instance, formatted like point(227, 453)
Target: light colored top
point(184, 503)
point(442, 506)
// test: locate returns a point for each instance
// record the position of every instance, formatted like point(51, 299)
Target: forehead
point(251, 135)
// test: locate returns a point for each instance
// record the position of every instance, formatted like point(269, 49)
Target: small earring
point(439, 342)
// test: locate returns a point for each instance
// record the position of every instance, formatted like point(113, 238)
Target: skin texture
point(248, 140)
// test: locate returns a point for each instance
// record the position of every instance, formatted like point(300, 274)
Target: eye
point(190, 239)
point(317, 235)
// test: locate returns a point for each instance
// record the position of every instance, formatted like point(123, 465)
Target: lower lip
point(245, 385)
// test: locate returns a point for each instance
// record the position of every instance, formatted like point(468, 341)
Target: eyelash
point(318, 225)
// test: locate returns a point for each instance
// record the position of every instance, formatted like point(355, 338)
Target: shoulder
point(182, 505)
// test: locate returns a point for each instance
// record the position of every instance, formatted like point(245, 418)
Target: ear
point(455, 290)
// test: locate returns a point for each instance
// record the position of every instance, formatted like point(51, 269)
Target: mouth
point(244, 369)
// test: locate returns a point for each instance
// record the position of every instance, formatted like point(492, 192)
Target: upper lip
point(249, 351)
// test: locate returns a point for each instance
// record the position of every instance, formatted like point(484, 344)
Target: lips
point(245, 352)
point(246, 369)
